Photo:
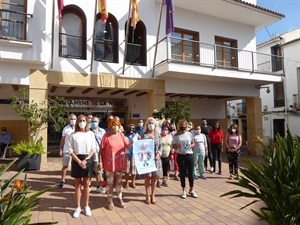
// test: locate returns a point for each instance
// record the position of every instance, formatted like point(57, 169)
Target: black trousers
point(186, 163)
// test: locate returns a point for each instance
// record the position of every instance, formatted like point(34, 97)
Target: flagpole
point(52, 34)
point(93, 38)
point(157, 37)
point(126, 37)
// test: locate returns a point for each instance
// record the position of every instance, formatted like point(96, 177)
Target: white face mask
point(72, 122)
point(115, 129)
point(141, 125)
point(151, 126)
point(233, 130)
point(198, 131)
point(82, 124)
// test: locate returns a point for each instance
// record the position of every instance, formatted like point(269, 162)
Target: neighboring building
point(208, 60)
point(281, 100)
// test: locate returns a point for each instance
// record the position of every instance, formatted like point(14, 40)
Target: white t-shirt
point(200, 143)
point(81, 143)
point(67, 131)
point(185, 140)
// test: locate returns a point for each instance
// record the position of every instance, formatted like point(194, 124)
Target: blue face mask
point(94, 125)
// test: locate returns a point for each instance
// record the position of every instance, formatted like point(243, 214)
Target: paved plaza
point(208, 209)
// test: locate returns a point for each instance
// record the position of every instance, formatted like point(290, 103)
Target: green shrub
point(275, 181)
point(29, 148)
point(16, 200)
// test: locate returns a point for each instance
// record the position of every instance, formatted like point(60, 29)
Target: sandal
point(133, 185)
point(110, 205)
point(121, 204)
point(153, 201)
point(147, 201)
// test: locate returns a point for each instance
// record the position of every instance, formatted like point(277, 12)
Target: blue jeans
point(199, 159)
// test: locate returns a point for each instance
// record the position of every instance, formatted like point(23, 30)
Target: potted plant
point(38, 116)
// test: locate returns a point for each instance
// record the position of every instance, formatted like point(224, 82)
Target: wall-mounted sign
point(82, 103)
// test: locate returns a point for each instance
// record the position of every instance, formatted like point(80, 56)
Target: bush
point(275, 181)
point(29, 148)
point(15, 204)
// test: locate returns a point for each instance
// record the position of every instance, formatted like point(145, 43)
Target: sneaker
point(121, 204)
point(87, 211)
point(77, 212)
point(61, 184)
point(183, 195)
point(101, 190)
point(110, 205)
point(193, 194)
point(164, 183)
point(211, 169)
point(203, 177)
point(195, 177)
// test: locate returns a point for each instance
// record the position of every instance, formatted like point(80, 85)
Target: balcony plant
point(16, 199)
point(274, 181)
point(38, 115)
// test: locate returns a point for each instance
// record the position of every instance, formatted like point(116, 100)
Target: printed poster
point(143, 153)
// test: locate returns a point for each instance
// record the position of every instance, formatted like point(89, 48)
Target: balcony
point(13, 24)
point(296, 101)
point(72, 46)
point(241, 109)
point(211, 60)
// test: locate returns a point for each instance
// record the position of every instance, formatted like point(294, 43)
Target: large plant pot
point(29, 162)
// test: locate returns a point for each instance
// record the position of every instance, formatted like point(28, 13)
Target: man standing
point(89, 118)
point(99, 132)
point(205, 129)
point(63, 148)
point(140, 128)
point(5, 138)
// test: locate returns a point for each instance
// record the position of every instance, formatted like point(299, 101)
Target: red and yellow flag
point(60, 4)
point(102, 9)
point(134, 13)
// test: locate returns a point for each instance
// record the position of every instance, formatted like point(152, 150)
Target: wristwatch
point(87, 160)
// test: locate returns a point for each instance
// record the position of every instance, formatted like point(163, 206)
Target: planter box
point(29, 162)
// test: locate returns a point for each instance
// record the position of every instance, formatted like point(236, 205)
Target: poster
point(143, 153)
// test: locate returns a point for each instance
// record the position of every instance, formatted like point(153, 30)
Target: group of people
point(108, 155)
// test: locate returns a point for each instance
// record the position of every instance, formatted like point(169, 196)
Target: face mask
point(131, 130)
point(94, 125)
point(233, 130)
point(72, 122)
point(164, 132)
point(182, 128)
point(82, 124)
point(115, 129)
point(141, 125)
point(151, 126)
point(89, 120)
point(198, 131)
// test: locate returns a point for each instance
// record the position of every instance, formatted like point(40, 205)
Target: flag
point(102, 9)
point(169, 16)
point(134, 13)
point(60, 4)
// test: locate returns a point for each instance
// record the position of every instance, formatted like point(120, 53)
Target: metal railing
point(106, 51)
point(135, 54)
point(296, 101)
point(72, 46)
point(13, 24)
point(241, 108)
point(185, 51)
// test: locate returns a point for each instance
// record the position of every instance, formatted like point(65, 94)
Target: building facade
point(281, 100)
point(209, 59)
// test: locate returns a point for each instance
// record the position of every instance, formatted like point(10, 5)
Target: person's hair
point(234, 126)
point(77, 128)
point(181, 122)
point(156, 130)
point(113, 122)
point(70, 116)
point(165, 126)
point(215, 123)
point(128, 128)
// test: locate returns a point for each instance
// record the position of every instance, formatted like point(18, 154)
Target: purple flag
point(169, 16)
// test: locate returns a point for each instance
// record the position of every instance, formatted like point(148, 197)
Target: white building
point(281, 104)
point(208, 60)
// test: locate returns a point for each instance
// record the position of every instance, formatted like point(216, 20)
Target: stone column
point(38, 92)
point(254, 123)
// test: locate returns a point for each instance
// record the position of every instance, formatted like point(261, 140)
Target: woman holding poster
point(183, 143)
point(152, 132)
point(114, 162)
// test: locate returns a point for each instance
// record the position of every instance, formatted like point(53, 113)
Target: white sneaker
point(193, 194)
point(183, 195)
point(87, 211)
point(211, 169)
point(77, 212)
point(101, 190)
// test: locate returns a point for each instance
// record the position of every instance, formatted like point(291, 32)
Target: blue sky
point(291, 10)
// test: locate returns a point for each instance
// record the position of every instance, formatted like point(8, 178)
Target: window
point(278, 128)
point(185, 46)
point(226, 52)
point(13, 19)
point(136, 45)
point(277, 63)
point(106, 39)
point(73, 33)
point(278, 94)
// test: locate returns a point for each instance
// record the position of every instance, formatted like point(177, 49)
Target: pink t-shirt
point(233, 140)
point(113, 154)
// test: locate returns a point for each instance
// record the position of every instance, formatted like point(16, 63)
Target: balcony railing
point(296, 101)
point(185, 51)
point(106, 50)
point(72, 46)
point(13, 24)
point(241, 108)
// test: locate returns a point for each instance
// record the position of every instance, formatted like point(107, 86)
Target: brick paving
point(208, 209)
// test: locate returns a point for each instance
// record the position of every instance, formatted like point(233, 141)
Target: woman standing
point(112, 156)
point(200, 151)
point(216, 137)
point(166, 140)
point(131, 168)
point(183, 143)
point(82, 146)
point(152, 132)
point(233, 145)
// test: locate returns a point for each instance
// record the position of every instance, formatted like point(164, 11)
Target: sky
point(291, 10)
